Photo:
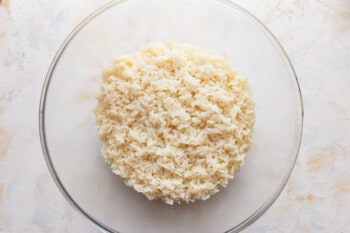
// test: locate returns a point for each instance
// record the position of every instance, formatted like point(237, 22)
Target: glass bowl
point(69, 134)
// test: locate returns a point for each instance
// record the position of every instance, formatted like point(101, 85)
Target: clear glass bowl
point(69, 134)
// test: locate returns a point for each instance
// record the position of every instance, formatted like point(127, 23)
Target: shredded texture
point(175, 121)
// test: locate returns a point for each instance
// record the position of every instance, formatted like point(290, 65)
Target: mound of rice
point(175, 121)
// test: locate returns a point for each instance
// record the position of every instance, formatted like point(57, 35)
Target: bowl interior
point(70, 135)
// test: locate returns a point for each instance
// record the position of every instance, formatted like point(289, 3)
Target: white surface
point(315, 34)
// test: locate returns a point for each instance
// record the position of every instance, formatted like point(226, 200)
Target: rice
point(175, 121)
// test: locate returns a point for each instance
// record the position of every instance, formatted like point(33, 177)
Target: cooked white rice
point(175, 121)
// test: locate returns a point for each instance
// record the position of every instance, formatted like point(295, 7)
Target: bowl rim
point(101, 226)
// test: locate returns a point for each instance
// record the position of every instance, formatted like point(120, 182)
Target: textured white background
point(316, 35)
